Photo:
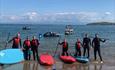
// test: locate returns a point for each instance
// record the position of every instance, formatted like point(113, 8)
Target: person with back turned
point(64, 47)
point(16, 41)
point(96, 45)
point(34, 47)
point(26, 48)
point(86, 45)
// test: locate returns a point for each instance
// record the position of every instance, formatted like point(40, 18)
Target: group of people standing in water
point(28, 46)
point(34, 43)
point(86, 44)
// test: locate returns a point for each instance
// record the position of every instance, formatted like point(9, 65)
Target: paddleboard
point(10, 56)
point(46, 59)
point(68, 59)
point(82, 59)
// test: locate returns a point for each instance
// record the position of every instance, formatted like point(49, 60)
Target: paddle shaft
point(7, 40)
point(57, 46)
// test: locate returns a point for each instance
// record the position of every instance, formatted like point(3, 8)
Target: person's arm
point(23, 44)
point(92, 43)
point(60, 43)
point(10, 40)
point(102, 40)
point(89, 41)
point(20, 44)
point(38, 42)
point(83, 42)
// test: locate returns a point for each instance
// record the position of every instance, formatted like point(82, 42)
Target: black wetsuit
point(86, 45)
point(34, 48)
point(64, 48)
point(96, 44)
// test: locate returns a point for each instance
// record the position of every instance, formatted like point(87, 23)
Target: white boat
point(69, 30)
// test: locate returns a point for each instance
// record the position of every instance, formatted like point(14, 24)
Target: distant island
point(101, 23)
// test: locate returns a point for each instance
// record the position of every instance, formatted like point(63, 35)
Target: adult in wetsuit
point(34, 47)
point(96, 45)
point(16, 41)
point(86, 45)
point(64, 47)
point(26, 49)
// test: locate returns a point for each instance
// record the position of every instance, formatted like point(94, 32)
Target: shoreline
point(31, 65)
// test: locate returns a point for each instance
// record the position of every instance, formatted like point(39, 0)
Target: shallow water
point(49, 44)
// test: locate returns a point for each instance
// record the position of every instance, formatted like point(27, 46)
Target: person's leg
point(63, 52)
point(95, 51)
point(36, 52)
point(26, 55)
point(88, 52)
point(99, 53)
point(84, 51)
point(29, 55)
point(33, 53)
point(67, 53)
point(79, 52)
point(75, 53)
point(66, 50)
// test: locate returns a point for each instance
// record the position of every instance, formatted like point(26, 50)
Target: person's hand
point(22, 49)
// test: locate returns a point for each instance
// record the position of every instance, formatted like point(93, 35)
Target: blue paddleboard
point(82, 59)
point(10, 56)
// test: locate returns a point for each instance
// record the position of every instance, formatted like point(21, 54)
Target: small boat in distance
point(51, 34)
point(68, 30)
point(26, 28)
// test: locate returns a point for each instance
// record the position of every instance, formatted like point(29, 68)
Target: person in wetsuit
point(86, 45)
point(16, 41)
point(78, 48)
point(64, 47)
point(26, 49)
point(96, 45)
point(34, 47)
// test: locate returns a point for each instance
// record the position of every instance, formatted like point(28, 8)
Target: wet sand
point(107, 54)
point(59, 65)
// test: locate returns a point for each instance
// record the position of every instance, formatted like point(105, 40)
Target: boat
point(68, 59)
point(51, 34)
point(26, 28)
point(69, 30)
point(46, 59)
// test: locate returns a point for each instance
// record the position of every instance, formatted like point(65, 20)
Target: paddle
point(7, 40)
point(54, 67)
point(40, 35)
point(57, 46)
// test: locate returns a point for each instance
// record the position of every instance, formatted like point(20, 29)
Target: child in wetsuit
point(78, 48)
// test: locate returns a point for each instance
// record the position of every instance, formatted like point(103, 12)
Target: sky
point(57, 10)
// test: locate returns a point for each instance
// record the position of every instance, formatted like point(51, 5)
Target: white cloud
point(60, 17)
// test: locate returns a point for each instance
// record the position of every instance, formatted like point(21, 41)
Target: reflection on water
point(79, 66)
point(97, 67)
point(26, 66)
point(59, 66)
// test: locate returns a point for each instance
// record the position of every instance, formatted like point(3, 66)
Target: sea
point(49, 45)
point(8, 31)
